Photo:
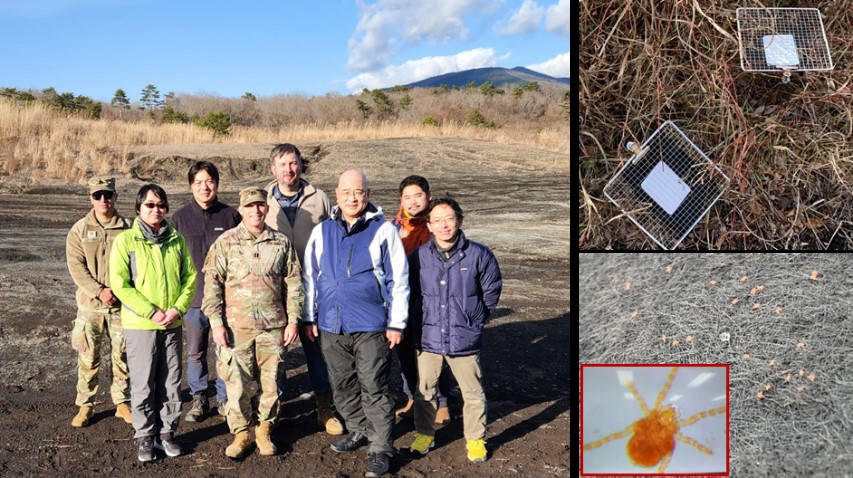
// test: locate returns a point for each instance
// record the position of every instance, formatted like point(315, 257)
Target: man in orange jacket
point(411, 221)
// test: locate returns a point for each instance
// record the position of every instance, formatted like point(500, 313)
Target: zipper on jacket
point(349, 262)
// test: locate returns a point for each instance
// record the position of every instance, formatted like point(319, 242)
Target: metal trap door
point(782, 39)
point(667, 186)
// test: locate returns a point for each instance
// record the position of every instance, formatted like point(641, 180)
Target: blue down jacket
point(356, 280)
point(451, 301)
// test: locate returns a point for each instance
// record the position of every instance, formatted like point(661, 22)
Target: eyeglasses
point(152, 205)
point(445, 220)
point(97, 196)
point(357, 193)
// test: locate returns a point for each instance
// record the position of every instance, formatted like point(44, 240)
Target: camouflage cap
point(102, 184)
point(253, 194)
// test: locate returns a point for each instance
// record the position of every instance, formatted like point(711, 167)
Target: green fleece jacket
point(146, 276)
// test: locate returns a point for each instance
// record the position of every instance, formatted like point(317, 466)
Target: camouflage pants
point(254, 356)
point(86, 338)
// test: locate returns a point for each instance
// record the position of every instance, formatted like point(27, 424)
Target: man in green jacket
point(253, 297)
point(152, 272)
point(87, 250)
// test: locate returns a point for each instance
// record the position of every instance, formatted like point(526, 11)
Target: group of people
point(349, 284)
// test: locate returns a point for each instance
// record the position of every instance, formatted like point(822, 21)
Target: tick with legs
point(653, 437)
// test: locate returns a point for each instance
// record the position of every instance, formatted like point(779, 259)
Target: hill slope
point(497, 76)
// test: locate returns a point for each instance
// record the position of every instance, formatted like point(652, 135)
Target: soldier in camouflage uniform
point(253, 297)
point(87, 253)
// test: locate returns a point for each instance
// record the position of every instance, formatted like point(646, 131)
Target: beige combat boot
point(263, 440)
point(83, 416)
point(239, 446)
point(326, 417)
point(123, 412)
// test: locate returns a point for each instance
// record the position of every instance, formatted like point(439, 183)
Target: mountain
point(497, 76)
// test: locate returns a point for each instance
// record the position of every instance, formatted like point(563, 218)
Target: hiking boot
point(477, 450)
point(326, 417)
point(355, 441)
point(377, 464)
point(83, 416)
point(263, 440)
point(169, 445)
point(199, 408)
point(146, 449)
point(442, 417)
point(407, 412)
point(123, 412)
point(241, 444)
point(422, 444)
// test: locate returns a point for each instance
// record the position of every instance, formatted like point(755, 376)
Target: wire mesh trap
point(667, 186)
point(782, 39)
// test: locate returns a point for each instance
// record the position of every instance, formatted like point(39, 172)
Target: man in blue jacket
point(355, 274)
point(456, 284)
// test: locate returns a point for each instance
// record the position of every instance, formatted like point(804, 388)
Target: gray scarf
point(158, 237)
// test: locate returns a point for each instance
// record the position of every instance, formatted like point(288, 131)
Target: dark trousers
point(198, 339)
point(318, 376)
point(360, 371)
point(407, 354)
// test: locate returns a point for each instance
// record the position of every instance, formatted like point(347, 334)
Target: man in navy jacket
point(355, 274)
point(201, 221)
point(456, 284)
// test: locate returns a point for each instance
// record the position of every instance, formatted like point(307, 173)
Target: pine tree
point(120, 99)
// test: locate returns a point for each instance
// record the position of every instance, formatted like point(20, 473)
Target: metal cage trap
point(782, 39)
point(667, 186)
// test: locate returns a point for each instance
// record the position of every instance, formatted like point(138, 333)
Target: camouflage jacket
point(87, 251)
point(252, 283)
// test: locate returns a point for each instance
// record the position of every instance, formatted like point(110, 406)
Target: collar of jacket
point(138, 236)
point(371, 213)
point(305, 189)
point(409, 222)
point(461, 244)
point(116, 222)
point(215, 207)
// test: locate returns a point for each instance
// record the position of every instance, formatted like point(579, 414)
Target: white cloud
point(559, 66)
point(558, 19)
point(525, 20)
point(415, 70)
point(390, 24)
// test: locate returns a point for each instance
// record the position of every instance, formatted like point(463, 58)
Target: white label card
point(665, 187)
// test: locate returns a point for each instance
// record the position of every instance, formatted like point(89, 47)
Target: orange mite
point(653, 437)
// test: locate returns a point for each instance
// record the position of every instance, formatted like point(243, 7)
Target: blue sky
point(227, 48)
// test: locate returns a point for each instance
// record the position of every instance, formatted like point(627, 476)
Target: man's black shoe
point(354, 441)
point(199, 409)
point(377, 464)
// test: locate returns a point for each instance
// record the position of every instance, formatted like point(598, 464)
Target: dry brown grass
point(42, 144)
point(788, 148)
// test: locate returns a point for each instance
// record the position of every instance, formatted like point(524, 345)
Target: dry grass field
point(786, 147)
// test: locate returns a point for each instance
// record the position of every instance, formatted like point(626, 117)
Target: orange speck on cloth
point(654, 437)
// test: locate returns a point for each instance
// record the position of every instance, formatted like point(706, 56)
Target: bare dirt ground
point(515, 200)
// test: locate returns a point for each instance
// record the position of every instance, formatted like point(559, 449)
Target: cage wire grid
point(667, 187)
point(780, 39)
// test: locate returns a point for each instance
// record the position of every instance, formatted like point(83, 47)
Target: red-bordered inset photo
point(661, 419)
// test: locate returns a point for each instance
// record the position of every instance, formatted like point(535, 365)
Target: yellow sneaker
point(477, 450)
point(422, 444)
